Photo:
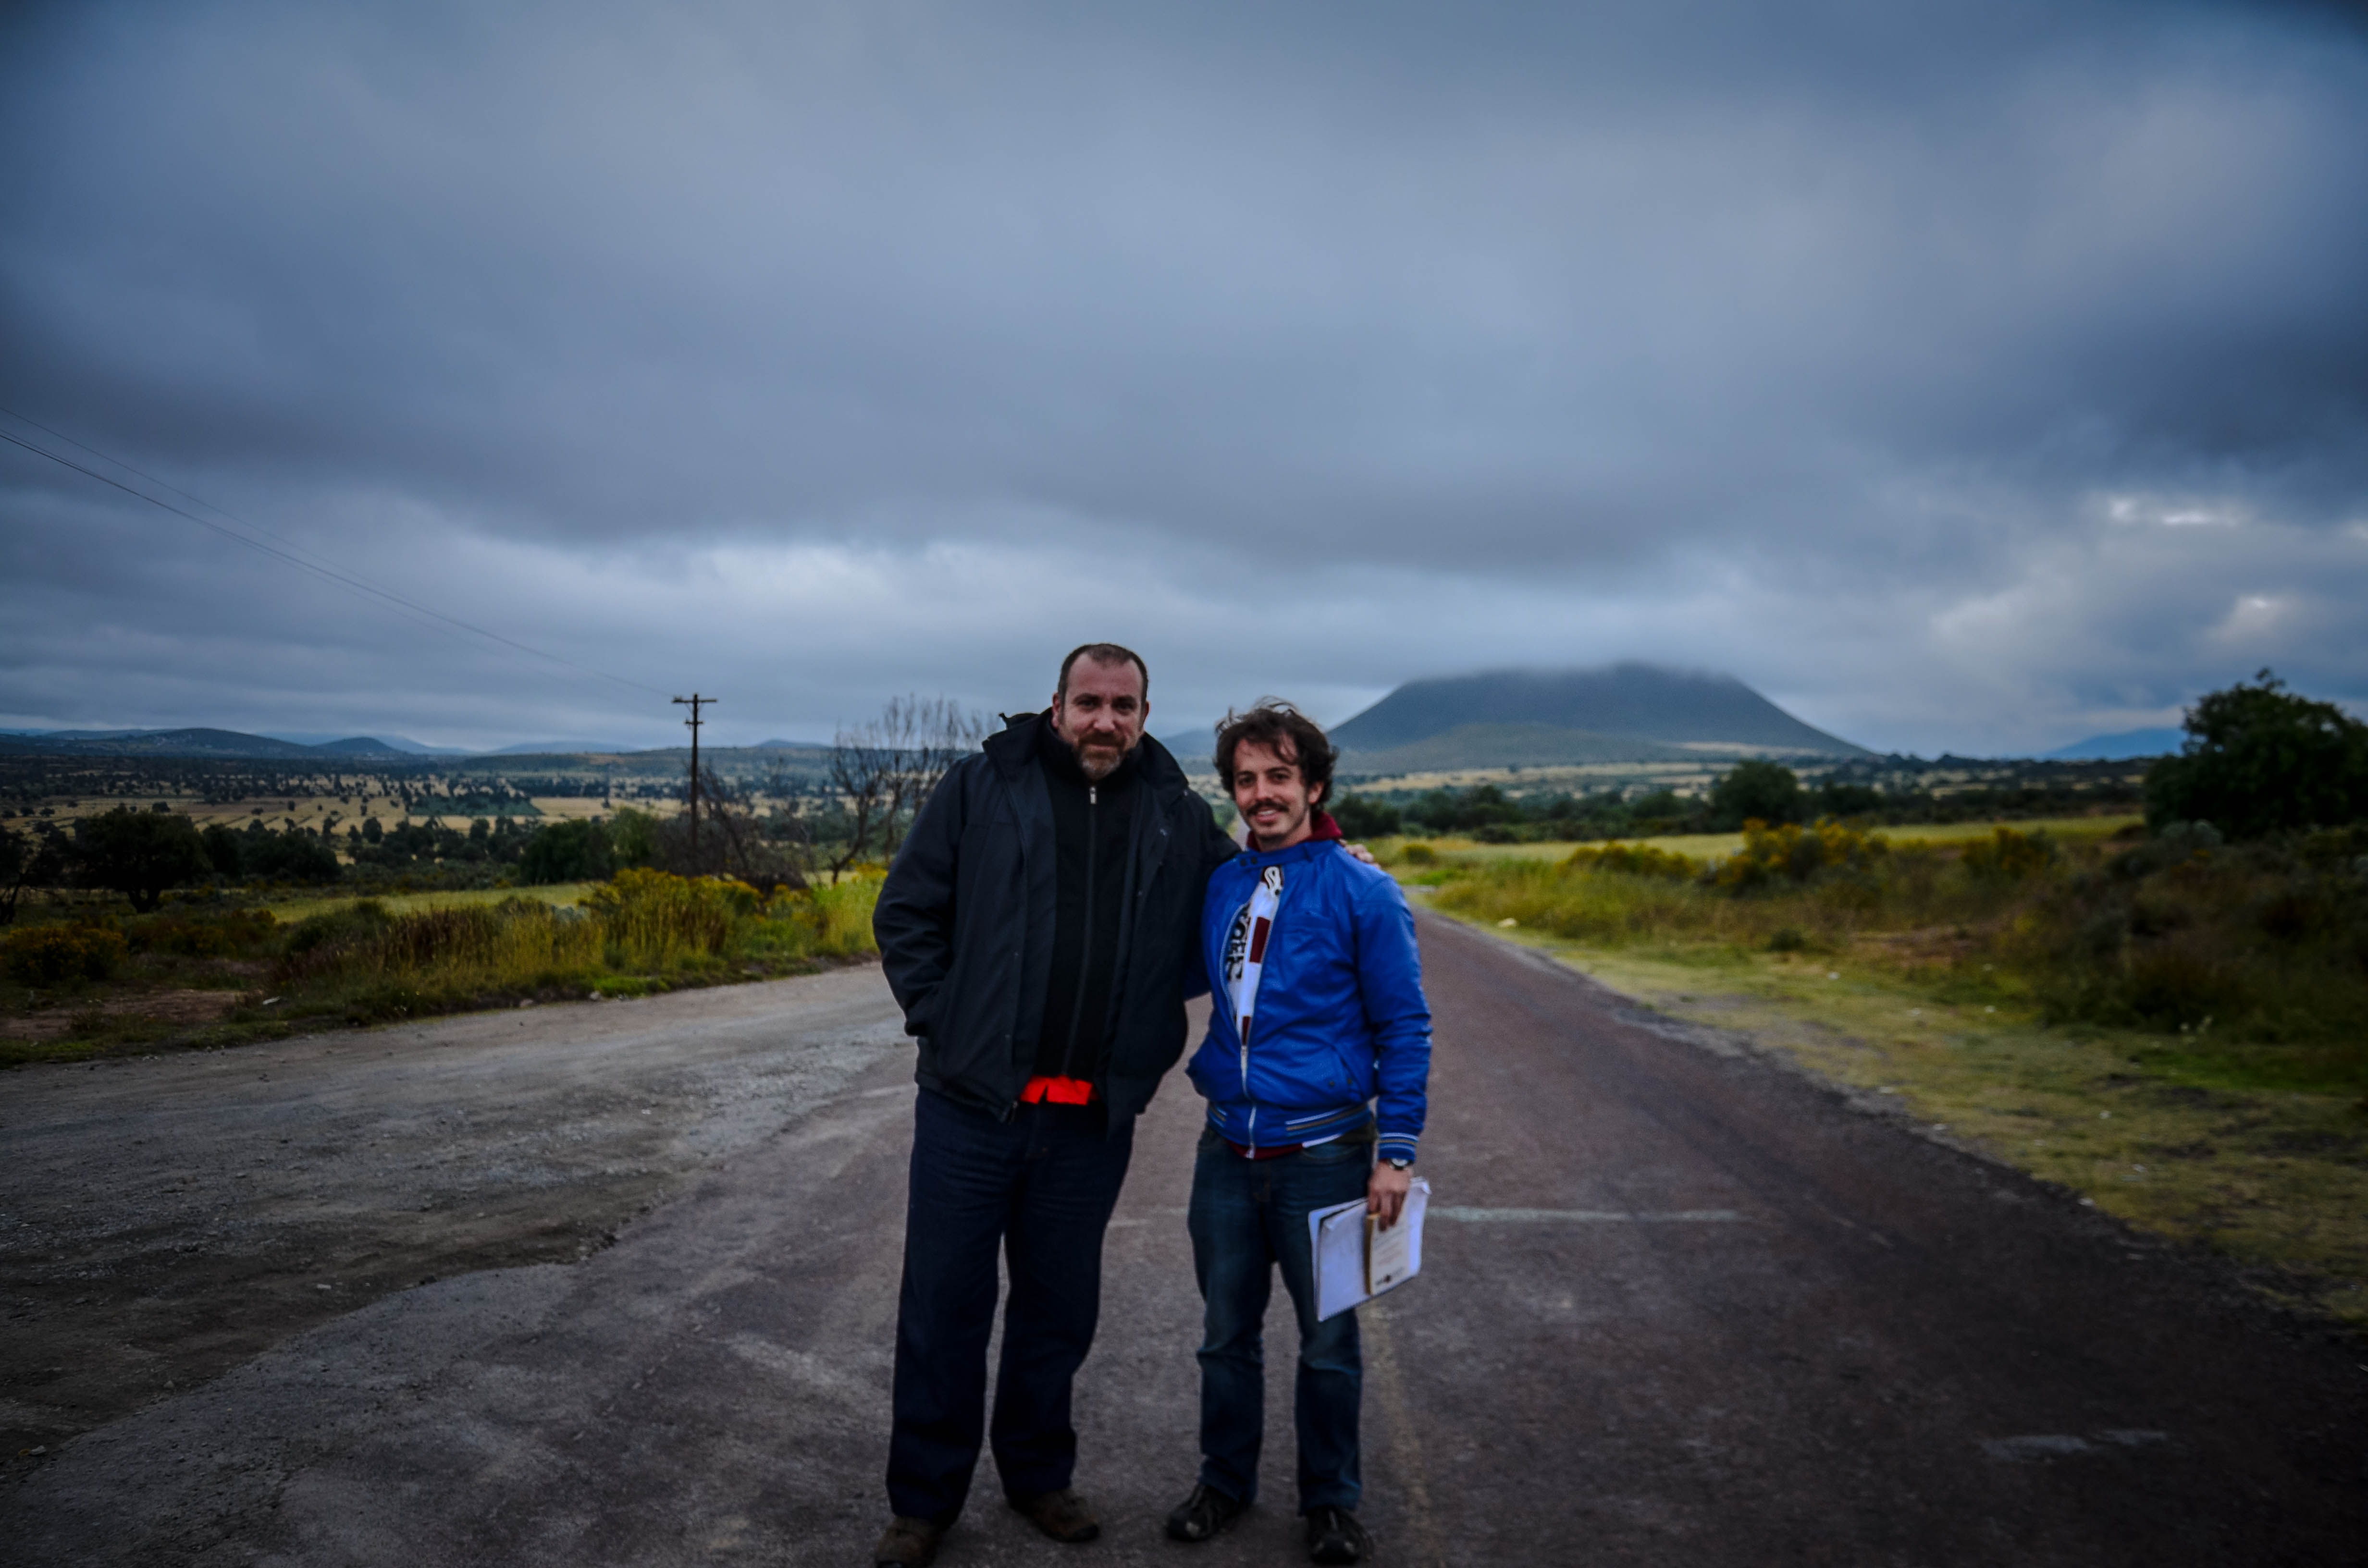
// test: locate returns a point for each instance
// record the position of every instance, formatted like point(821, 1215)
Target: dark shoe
point(1204, 1514)
point(1335, 1536)
point(907, 1543)
point(1062, 1514)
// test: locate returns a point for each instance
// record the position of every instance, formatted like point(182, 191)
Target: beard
point(1098, 762)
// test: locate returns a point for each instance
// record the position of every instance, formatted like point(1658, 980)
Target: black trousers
point(1039, 1187)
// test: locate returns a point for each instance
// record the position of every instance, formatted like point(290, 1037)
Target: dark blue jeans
point(1040, 1187)
point(1250, 1217)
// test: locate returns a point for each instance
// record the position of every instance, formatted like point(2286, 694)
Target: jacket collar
point(1324, 834)
point(1013, 749)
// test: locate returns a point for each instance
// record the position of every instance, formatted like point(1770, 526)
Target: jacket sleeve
point(914, 921)
point(1389, 980)
point(1217, 847)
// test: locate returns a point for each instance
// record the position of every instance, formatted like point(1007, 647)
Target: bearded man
point(1040, 929)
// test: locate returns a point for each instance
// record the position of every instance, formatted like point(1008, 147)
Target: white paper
point(1338, 1237)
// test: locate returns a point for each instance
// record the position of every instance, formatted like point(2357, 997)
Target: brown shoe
point(907, 1543)
point(1062, 1514)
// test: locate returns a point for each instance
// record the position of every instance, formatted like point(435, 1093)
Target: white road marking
point(1584, 1216)
point(2059, 1445)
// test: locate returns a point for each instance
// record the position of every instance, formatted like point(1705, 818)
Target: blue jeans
point(1040, 1188)
point(1249, 1217)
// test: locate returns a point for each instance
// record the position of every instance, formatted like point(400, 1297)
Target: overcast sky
point(1965, 375)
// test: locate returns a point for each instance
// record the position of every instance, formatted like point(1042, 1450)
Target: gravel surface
point(165, 1218)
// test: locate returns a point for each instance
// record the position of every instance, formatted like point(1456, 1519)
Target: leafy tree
point(139, 854)
point(1769, 791)
point(1837, 799)
point(289, 858)
point(632, 838)
point(567, 852)
point(1361, 818)
point(2259, 760)
point(27, 860)
point(222, 848)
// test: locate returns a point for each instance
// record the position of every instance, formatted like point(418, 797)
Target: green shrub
point(654, 921)
point(57, 955)
point(232, 933)
point(1791, 853)
point(518, 945)
point(2007, 856)
point(356, 923)
point(1632, 859)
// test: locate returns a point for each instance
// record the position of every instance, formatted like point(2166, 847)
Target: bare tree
point(882, 772)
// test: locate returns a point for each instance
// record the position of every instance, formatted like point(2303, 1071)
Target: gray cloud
point(1874, 353)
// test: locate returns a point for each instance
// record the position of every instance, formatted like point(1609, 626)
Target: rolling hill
point(2120, 746)
point(1629, 712)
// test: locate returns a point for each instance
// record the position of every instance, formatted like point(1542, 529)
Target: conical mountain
point(1536, 718)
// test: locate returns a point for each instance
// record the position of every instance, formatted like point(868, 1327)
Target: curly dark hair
point(1285, 731)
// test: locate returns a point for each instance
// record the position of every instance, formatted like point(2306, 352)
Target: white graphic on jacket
point(1246, 944)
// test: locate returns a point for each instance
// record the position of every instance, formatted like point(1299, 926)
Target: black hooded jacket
point(967, 917)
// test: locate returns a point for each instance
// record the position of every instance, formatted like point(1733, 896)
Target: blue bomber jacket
point(1339, 1016)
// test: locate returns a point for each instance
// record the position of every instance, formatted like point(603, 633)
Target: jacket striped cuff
point(1398, 1145)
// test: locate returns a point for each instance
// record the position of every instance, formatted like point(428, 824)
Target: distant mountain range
point(2119, 747)
point(1628, 712)
point(316, 738)
point(196, 742)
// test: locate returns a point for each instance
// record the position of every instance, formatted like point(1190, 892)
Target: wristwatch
point(1398, 1165)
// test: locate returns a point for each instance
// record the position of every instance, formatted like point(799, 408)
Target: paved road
point(1682, 1307)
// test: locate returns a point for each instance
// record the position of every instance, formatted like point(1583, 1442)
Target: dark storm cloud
point(1875, 352)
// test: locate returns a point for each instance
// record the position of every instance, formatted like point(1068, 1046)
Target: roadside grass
point(192, 977)
point(2173, 1028)
point(300, 907)
point(1709, 846)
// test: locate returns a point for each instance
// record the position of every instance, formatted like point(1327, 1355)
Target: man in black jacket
point(1041, 929)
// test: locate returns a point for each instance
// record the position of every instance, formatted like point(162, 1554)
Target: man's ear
point(1316, 793)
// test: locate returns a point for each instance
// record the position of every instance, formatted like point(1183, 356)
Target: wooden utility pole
point(694, 703)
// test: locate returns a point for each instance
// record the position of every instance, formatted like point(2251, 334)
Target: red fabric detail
point(1320, 826)
point(1258, 932)
point(1246, 1153)
point(1058, 1091)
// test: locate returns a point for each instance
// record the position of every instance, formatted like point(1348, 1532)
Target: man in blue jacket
point(1319, 1014)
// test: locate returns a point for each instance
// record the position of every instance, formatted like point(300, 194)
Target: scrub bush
point(58, 955)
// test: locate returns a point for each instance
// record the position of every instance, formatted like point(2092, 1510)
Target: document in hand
point(1356, 1260)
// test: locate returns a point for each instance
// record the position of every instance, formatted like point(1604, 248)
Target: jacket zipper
point(1085, 958)
point(1250, 1134)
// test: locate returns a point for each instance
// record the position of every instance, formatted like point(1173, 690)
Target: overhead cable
point(294, 553)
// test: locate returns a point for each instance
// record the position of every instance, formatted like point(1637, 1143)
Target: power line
point(343, 579)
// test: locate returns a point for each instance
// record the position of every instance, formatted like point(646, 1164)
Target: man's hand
point(1385, 1194)
point(1362, 853)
